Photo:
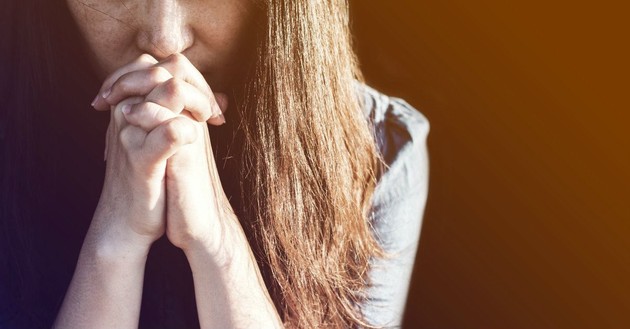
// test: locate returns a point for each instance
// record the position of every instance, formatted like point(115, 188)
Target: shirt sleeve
point(397, 209)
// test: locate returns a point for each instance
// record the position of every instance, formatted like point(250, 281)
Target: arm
point(106, 288)
point(231, 294)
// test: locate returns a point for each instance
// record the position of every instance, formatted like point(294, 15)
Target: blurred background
point(528, 218)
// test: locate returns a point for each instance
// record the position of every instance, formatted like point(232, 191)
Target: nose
point(164, 29)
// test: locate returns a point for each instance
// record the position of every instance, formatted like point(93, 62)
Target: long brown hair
point(310, 163)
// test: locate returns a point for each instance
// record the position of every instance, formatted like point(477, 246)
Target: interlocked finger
point(142, 62)
point(179, 95)
point(180, 67)
point(147, 115)
point(166, 139)
point(137, 83)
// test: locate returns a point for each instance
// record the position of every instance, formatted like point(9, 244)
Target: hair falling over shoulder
point(311, 167)
point(310, 160)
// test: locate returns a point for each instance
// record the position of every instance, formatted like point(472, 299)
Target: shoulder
point(385, 111)
point(400, 132)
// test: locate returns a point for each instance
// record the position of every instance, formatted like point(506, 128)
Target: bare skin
point(161, 177)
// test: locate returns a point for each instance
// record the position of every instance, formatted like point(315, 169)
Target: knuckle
point(173, 133)
point(122, 85)
point(174, 86)
point(125, 136)
point(159, 74)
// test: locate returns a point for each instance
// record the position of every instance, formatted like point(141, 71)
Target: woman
point(270, 187)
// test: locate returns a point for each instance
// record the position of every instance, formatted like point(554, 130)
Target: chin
point(218, 83)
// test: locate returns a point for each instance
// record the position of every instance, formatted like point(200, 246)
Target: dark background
point(528, 218)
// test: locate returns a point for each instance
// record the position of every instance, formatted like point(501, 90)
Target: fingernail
point(126, 109)
point(107, 92)
point(94, 101)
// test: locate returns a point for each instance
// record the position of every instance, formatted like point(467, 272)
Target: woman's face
point(212, 34)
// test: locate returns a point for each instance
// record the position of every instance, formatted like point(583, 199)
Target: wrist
point(118, 249)
point(227, 250)
point(112, 240)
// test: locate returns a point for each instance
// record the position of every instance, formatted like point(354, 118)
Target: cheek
point(105, 33)
point(228, 41)
point(223, 37)
point(107, 49)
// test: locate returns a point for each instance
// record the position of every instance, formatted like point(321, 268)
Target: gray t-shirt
point(398, 203)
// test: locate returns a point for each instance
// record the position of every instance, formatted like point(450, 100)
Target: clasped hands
point(160, 174)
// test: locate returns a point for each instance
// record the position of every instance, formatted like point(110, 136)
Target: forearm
point(106, 289)
point(232, 293)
